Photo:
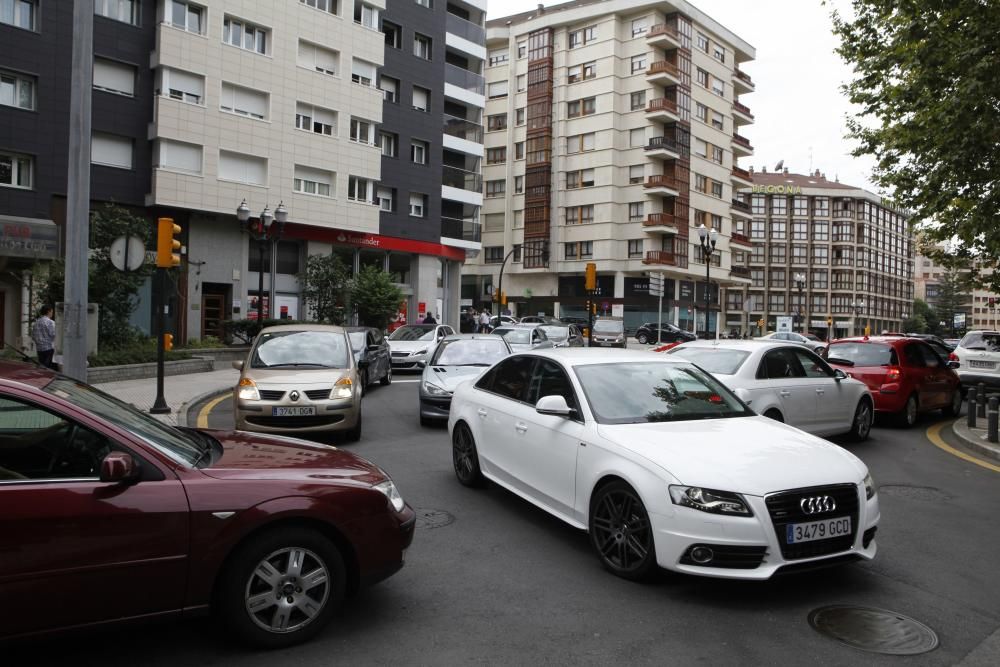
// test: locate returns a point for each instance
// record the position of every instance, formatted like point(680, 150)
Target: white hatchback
point(662, 465)
point(787, 382)
point(978, 354)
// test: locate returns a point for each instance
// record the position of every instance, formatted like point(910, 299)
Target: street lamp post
point(800, 283)
point(858, 306)
point(262, 231)
point(499, 290)
point(708, 239)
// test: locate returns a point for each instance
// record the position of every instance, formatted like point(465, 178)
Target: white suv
point(979, 355)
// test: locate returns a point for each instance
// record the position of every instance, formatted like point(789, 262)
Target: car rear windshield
point(555, 332)
point(609, 326)
point(316, 349)
point(862, 354)
point(981, 341)
point(470, 352)
point(714, 360)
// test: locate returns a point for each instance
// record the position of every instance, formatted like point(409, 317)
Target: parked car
point(111, 515)
point(662, 465)
point(456, 360)
point(608, 332)
point(581, 322)
point(539, 319)
point(299, 379)
point(522, 338)
point(952, 342)
point(905, 375)
point(808, 340)
point(943, 349)
point(979, 355)
point(786, 382)
point(564, 335)
point(502, 321)
point(646, 334)
point(371, 350)
point(413, 344)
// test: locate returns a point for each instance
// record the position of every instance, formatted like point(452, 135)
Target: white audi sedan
point(787, 383)
point(662, 465)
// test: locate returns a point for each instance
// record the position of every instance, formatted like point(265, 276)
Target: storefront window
point(399, 267)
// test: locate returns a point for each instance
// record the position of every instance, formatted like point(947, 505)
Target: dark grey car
point(372, 353)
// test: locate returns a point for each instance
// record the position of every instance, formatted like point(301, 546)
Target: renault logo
point(817, 505)
point(294, 395)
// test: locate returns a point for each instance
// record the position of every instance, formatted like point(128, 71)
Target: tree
point(325, 286)
point(375, 296)
point(921, 318)
point(926, 81)
point(952, 298)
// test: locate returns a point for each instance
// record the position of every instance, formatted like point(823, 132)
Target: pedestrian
point(430, 319)
point(484, 322)
point(44, 334)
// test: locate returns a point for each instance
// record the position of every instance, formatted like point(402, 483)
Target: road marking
point(395, 381)
point(933, 434)
point(203, 413)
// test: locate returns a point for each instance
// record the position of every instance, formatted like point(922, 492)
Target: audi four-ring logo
point(817, 504)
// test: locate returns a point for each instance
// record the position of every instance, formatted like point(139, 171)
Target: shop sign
point(20, 238)
point(777, 189)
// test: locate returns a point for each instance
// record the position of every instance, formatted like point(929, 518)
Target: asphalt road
point(504, 583)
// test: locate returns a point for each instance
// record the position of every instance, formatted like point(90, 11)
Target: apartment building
point(833, 256)
point(612, 134)
point(981, 306)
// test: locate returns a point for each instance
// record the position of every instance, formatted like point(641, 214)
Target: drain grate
point(428, 518)
point(875, 630)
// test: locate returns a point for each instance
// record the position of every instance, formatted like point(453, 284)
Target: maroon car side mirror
point(119, 467)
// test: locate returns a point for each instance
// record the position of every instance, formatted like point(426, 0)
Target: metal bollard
point(981, 405)
point(971, 414)
point(993, 419)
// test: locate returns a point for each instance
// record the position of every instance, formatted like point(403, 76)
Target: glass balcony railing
point(457, 228)
point(464, 79)
point(463, 129)
point(460, 178)
point(459, 27)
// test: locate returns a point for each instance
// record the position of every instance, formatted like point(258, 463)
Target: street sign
point(784, 323)
point(127, 253)
point(656, 284)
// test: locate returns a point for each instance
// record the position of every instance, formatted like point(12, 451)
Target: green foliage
point(952, 298)
point(246, 330)
point(136, 352)
point(375, 296)
point(208, 342)
point(921, 318)
point(926, 82)
point(325, 287)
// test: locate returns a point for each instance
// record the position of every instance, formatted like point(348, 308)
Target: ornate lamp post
point(261, 231)
point(708, 239)
point(800, 283)
point(858, 306)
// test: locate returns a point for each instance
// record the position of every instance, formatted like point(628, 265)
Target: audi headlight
point(435, 390)
point(344, 388)
point(247, 390)
point(710, 500)
point(388, 489)
point(869, 486)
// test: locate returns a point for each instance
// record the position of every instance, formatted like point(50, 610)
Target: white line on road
point(395, 381)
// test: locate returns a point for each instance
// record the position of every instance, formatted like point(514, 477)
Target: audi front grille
point(784, 508)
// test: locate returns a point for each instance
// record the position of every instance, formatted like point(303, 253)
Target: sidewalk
point(179, 391)
point(975, 438)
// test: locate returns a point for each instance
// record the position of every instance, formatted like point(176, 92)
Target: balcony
point(665, 148)
point(663, 110)
point(740, 206)
point(740, 272)
point(664, 73)
point(740, 239)
point(662, 223)
point(741, 176)
point(662, 184)
point(465, 230)
point(664, 36)
point(462, 128)
point(741, 114)
point(459, 27)
point(663, 257)
point(741, 146)
point(453, 177)
point(742, 82)
point(464, 79)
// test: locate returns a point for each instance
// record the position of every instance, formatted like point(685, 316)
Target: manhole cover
point(911, 492)
point(433, 518)
point(875, 630)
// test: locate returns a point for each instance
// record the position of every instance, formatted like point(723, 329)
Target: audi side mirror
point(553, 405)
point(119, 467)
point(238, 364)
point(839, 375)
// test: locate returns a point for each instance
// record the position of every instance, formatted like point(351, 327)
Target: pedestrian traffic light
point(167, 246)
point(590, 284)
point(168, 342)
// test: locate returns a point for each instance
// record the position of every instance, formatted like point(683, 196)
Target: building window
point(522, 82)
point(800, 230)
point(243, 35)
point(779, 205)
point(393, 34)
point(578, 215)
point(799, 253)
point(578, 250)
point(778, 253)
point(493, 254)
point(496, 188)
point(636, 173)
point(820, 254)
point(639, 26)
point(518, 150)
point(418, 205)
point(821, 231)
point(579, 143)
point(519, 116)
point(636, 211)
point(126, 11)
point(701, 148)
point(821, 206)
point(422, 46)
point(582, 36)
point(19, 13)
point(111, 151)
point(637, 100)
point(635, 248)
point(17, 90)
point(582, 72)
point(178, 156)
point(778, 278)
point(389, 87)
point(496, 122)
point(779, 230)
point(244, 101)
point(498, 57)
point(800, 206)
point(389, 143)
point(241, 168)
point(701, 112)
point(702, 42)
point(421, 98)
point(315, 119)
point(496, 155)
point(776, 303)
point(717, 154)
point(360, 189)
point(15, 171)
point(583, 107)
point(386, 198)
point(820, 279)
point(717, 189)
point(718, 87)
point(519, 185)
point(719, 53)
point(702, 77)
point(418, 151)
point(493, 222)
point(182, 86)
point(522, 49)
point(718, 120)
point(313, 181)
point(366, 15)
point(323, 5)
point(318, 58)
point(582, 178)
point(638, 64)
point(496, 90)
point(112, 77)
point(187, 16)
point(363, 72)
point(637, 137)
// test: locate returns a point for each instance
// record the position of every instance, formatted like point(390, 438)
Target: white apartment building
point(612, 133)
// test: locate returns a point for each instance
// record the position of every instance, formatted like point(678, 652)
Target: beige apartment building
point(613, 131)
point(982, 307)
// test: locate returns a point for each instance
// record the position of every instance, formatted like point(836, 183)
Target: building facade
point(612, 134)
point(832, 256)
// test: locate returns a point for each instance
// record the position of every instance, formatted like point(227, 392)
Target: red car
point(905, 375)
point(107, 514)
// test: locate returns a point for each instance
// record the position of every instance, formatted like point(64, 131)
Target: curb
point(185, 409)
point(974, 441)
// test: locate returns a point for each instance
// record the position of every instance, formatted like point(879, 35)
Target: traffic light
point(760, 323)
point(168, 342)
point(590, 284)
point(167, 246)
point(829, 321)
point(593, 307)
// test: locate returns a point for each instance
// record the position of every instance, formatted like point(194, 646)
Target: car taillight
point(894, 375)
point(953, 357)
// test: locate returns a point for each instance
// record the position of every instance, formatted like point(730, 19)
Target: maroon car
point(905, 375)
point(107, 514)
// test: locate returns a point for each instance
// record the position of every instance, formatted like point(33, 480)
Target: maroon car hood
point(256, 456)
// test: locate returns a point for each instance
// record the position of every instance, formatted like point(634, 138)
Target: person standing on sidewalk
point(484, 322)
point(44, 334)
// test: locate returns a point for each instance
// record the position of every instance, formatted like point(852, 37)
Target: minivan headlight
point(389, 490)
point(247, 390)
point(709, 500)
point(344, 388)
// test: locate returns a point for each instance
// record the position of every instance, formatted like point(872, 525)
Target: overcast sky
point(798, 108)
